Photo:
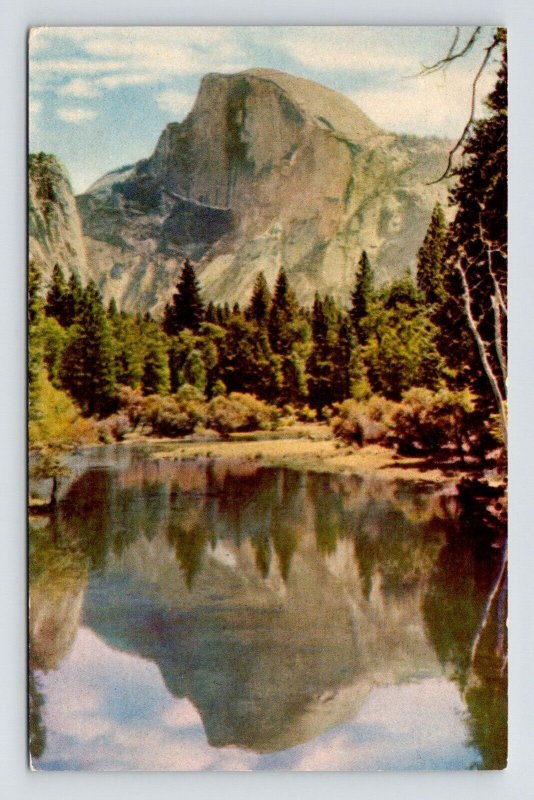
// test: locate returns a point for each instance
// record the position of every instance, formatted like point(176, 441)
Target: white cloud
point(432, 105)
point(34, 110)
point(76, 115)
point(177, 103)
point(155, 52)
point(79, 87)
point(116, 81)
point(74, 66)
point(334, 49)
point(38, 40)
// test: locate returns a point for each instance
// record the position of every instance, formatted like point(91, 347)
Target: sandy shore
point(318, 452)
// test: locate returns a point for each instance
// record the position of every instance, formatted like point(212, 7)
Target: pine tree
point(55, 298)
point(282, 315)
point(73, 299)
point(35, 345)
point(156, 378)
point(187, 309)
point(361, 297)
point(88, 364)
point(113, 311)
point(346, 360)
point(322, 362)
point(211, 314)
point(476, 279)
point(247, 362)
point(129, 350)
point(431, 260)
point(260, 302)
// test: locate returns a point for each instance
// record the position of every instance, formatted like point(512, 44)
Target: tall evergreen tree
point(282, 315)
point(477, 246)
point(156, 378)
point(88, 364)
point(362, 297)
point(129, 350)
point(55, 298)
point(73, 299)
point(187, 309)
point(260, 302)
point(35, 348)
point(431, 260)
point(346, 360)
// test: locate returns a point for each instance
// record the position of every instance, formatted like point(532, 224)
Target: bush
point(428, 421)
point(240, 412)
point(362, 423)
point(177, 415)
point(114, 428)
point(132, 403)
point(55, 419)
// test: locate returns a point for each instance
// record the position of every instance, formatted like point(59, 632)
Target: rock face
point(55, 230)
point(267, 170)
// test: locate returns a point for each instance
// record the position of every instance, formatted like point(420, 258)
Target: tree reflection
point(453, 608)
point(36, 728)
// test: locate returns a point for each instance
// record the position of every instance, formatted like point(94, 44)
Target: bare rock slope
point(54, 226)
point(267, 170)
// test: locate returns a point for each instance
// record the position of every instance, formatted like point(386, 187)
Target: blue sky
point(100, 97)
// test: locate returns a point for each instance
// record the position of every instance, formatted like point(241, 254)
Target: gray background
point(16, 781)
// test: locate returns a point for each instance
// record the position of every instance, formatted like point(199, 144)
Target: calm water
point(226, 616)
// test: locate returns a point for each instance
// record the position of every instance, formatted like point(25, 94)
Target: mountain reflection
point(273, 600)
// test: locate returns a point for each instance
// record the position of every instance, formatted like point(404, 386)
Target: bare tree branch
point(451, 56)
point(487, 54)
point(483, 347)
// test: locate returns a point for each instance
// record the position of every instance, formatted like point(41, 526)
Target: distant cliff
point(54, 227)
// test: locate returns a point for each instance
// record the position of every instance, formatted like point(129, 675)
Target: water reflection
point(276, 604)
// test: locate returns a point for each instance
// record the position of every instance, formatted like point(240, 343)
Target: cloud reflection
point(108, 710)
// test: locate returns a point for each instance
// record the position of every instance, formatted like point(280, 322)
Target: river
point(220, 615)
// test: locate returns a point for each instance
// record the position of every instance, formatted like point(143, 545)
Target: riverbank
point(313, 448)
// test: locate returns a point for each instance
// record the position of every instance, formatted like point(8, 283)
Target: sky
point(100, 97)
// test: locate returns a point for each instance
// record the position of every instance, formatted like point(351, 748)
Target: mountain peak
point(267, 170)
point(331, 109)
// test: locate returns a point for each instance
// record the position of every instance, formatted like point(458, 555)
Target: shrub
point(361, 423)
point(428, 421)
point(306, 414)
point(132, 403)
point(240, 412)
point(55, 419)
point(175, 415)
point(114, 428)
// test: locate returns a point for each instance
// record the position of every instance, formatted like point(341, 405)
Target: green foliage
point(55, 420)
point(88, 363)
point(334, 363)
point(53, 340)
point(55, 299)
point(362, 422)
point(429, 422)
point(431, 260)
point(282, 315)
point(175, 415)
point(247, 363)
point(187, 309)
point(362, 296)
point(477, 244)
point(129, 350)
point(401, 351)
point(240, 412)
point(156, 377)
point(260, 302)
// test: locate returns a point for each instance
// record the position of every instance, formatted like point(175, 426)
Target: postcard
point(267, 371)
